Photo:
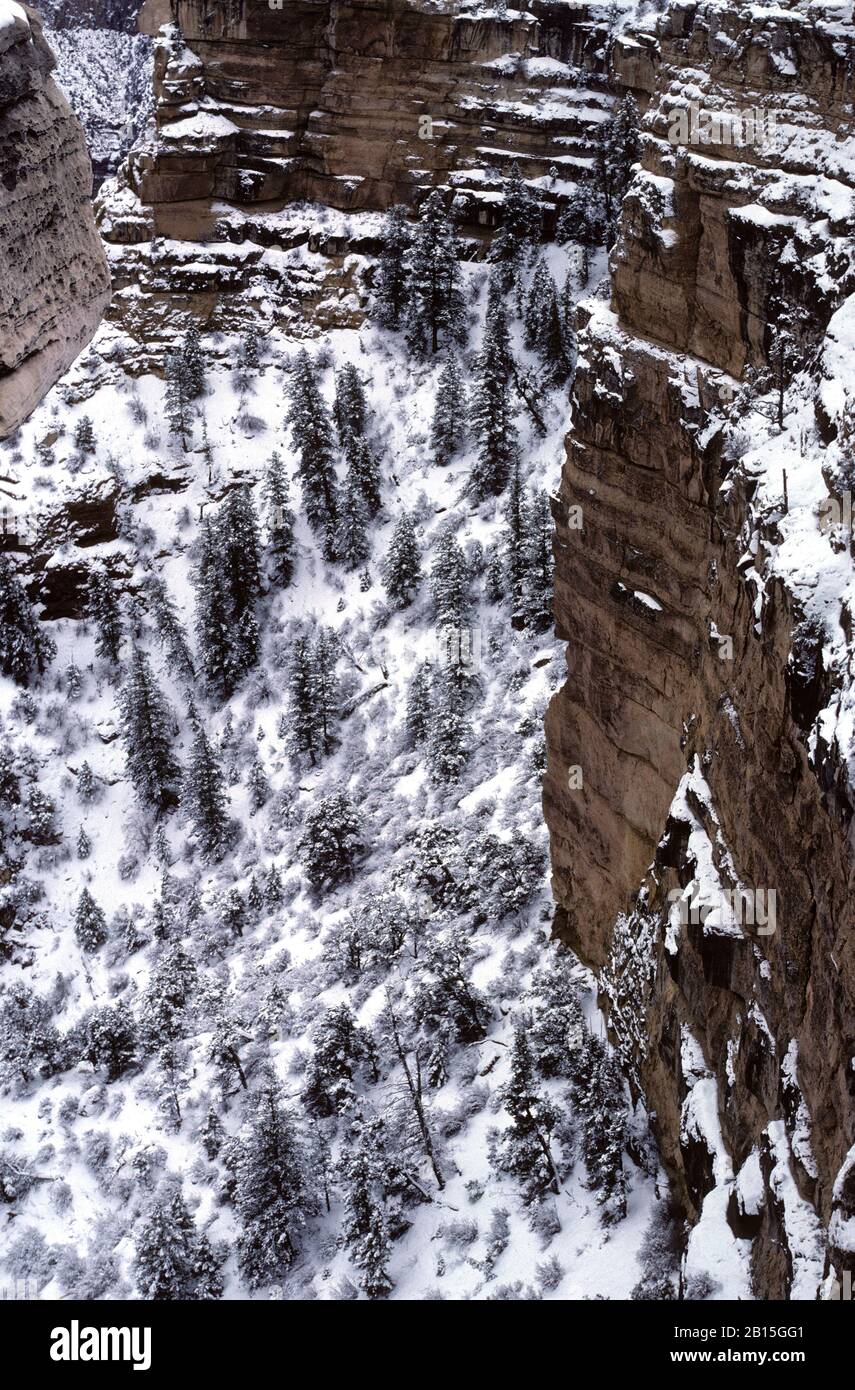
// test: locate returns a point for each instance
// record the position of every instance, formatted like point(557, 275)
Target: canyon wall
point(54, 282)
point(699, 752)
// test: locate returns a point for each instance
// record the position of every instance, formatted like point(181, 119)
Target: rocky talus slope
point(701, 747)
point(54, 282)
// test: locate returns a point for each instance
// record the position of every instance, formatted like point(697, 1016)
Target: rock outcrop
point(54, 283)
point(698, 793)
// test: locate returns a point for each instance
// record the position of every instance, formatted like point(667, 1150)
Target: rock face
point(693, 750)
point(54, 283)
point(360, 104)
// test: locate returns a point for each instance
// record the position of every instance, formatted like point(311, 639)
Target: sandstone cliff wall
point(54, 283)
point(708, 656)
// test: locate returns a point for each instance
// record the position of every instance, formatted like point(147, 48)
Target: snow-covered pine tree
point(351, 407)
point(361, 1169)
point(84, 844)
point(102, 607)
point(147, 724)
point(402, 570)
point(84, 436)
point(617, 152)
point(87, 788)
point(448, 427)
point(111, 1039)
point(90, 924)
point(363, 473)
point(173, 1261)
point(519, 231)
point(193, 360)
point(273, 1194)
point(169, 627)
point(537, 562)
point(339, 1047)
point(331, 840)
point(258, 785)
point(418, 715)
point(24, 649)
point(177, 402)
point(203, 796)
point(598, 1092)
point(214, 635)
point(327, 692)
point(392, 280)
point(312, 436)
point(280, 521)
point(304, 732)
point(491, 414)
point(353, 546)
point(449, 581)
point(239, 546)
point(541, 287)
point(272, 887)
point(525, 1148)
point(436, 306)
point(450, 738)
point(516, 541)
point(212, 1134)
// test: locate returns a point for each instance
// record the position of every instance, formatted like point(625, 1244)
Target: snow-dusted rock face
point(360, 105)
point(702, 746)
point(53, 275)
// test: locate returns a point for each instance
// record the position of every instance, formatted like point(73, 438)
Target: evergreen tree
point(272, 887)
point(258, 785)
point(519, 231)
point(169, 628)
point(392, 279)
point(84, 844)
point(492, 417)
point(203, 796)
point(84, 436)
point(363, 473)
point(525, 1148)
point(351, 407)
point(90, 924)
point(173, 1261)
point(224, 1054)
point(212, 1134)
point(194, 363)
point(73, 681)
point(165, 1003)
point(598, 1093)
point(147, 735)
point(516, 540)
point(24, 648)
point(339, 1047)
point(250, 350)
point(436, 306)
point(111, 1039)
point(418, 716)
point(495, 583)
point(449, 581)
point(280, 521)
point(304, 732)
point(618, 150)
point(86, 786)
point(177, 402)
point(171, 1080)
point(103, 608)
point(362, 1168)
point(331, 841)
point(272, 1191)
point(239, 548)
point(541, 288)
point(448, 429)
point(326, 686)
point(537, 571)
point(214, 633)
point(402, 571)
point(352, 544)
point(311, 432)
point(450, 732)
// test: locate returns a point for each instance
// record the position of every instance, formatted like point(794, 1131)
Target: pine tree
point(194, 363)
point(537, 569)
point(363, 473)
point(73, 681)
point(272, 1192)
point(525, 1148)
point(258, 785)
point(224, 1054)
point(163, 1015)
point(450, 732)
point(304, 732)
point(351, 407)
point(103, 608)
point(326, 686)
point(24, 648)
point(448, 429)
point(111, 1039)
point(250, 349)
point(86, 785)
point(239, 547)
point(173, 1261)
point(280, 522)
point(272, 887)
point(598, 1093)
point(311, 432)
point(214, 634)
point(418, 716)
point(492, 417)
point(84, 436)
point(171, 1081)
point(617, 152)
point(352, 544)
point(392, 280)
point(203, 796)
point(84, 844)
point(520, 228)
point(212, 1134)
point(436, 308)
point(339, 1047)
point(362, 1169)
point(90, 924)
point(516, 540)
point(331, 841)
point(449, 582)
point(169, 628)
point(177, 402)
point(541, 287)
point(402, 571)
point(147, 734)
